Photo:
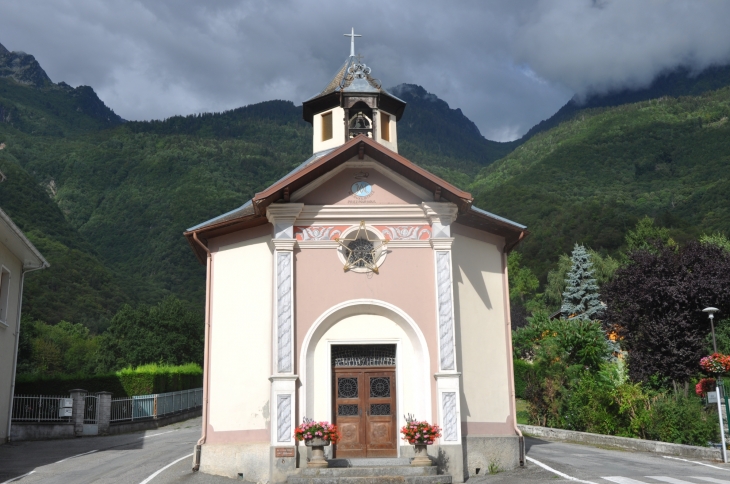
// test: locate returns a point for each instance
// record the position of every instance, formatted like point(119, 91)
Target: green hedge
point(522, 367)
point(142, 380)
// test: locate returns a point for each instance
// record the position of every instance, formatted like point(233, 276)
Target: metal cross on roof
point(352, 41)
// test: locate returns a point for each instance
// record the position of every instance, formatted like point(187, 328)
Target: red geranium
point(309, 429)
point(422, 432)
point(705, 386)
point(716, 363)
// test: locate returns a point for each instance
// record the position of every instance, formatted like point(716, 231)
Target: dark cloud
point(506, 65)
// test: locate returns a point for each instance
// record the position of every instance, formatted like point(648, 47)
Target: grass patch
point(522, 414)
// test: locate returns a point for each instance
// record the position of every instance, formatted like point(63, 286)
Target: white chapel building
point(357, 289)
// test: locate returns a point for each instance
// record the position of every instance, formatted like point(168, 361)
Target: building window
point(384, 126)
point(327, 126)
point(4, 293)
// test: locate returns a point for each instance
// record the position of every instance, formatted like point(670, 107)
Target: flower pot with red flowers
point(316, 435)
point(420, 434)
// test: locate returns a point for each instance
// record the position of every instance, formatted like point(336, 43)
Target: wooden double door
point(365, 412)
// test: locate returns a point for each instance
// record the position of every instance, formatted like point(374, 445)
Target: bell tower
point(353, 103)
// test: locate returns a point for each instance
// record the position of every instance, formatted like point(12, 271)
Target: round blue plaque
point(361, 189)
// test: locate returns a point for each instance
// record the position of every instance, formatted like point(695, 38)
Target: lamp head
point(710, 311)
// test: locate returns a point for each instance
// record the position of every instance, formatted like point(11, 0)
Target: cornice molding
point(284, 244)
point(283, 212)
point(441, 243)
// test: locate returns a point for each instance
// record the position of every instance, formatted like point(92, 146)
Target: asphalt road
point(163, 456)
point(130, 458)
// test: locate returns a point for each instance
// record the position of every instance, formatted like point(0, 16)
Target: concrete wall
point(483, 354)
point(41, 431)
point(126, 427)
point(8, 332)
point(338, 130)
point(240, 361)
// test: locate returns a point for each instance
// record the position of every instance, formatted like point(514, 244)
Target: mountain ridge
point(107, 200)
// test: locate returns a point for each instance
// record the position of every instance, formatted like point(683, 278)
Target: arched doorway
point(366, 324)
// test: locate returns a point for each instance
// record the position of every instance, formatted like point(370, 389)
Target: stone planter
point(317, 446)
point(421, 459)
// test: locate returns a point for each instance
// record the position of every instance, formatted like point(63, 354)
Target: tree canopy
point(655, 303)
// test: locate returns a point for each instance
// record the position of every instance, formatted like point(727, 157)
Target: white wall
point(338, 130)
point(8, 332)
point(481, 330)
point(240, 354)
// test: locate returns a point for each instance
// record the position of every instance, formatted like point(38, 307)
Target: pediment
point(361, 182)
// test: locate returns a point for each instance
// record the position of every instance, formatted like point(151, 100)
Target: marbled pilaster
point(283, 381)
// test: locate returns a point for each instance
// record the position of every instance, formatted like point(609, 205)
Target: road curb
point(625, 443)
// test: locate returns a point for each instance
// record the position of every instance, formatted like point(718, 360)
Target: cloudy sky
point(506, 64)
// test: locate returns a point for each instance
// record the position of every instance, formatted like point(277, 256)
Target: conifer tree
point(581, 298)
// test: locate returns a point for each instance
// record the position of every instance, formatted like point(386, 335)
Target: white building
point(17, 257)
point(357, 289)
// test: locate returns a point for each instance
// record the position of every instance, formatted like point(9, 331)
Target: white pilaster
point(449, 405)
point(448, 383)
point(283, 381)
point(441, 215)
point(283, 415)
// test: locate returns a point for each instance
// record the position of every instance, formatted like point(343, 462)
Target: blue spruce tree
point(580, 298)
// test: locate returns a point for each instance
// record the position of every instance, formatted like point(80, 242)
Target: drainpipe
point(206, 356)
point(508, 330)
point(17, 341)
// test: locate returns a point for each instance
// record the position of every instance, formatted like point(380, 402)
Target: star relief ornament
point(361, 251)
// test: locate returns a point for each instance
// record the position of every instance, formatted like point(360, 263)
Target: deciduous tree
point(655, 302)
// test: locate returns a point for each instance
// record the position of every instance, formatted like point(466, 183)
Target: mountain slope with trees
point(592, 178)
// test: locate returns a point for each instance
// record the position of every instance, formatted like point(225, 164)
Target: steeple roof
point(354, 77)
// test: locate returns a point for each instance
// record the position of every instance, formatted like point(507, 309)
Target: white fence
point(154, 406)
point(40, 408)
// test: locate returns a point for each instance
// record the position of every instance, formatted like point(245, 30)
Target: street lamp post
point(711, 313)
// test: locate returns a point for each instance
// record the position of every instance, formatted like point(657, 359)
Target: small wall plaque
point(284, 452)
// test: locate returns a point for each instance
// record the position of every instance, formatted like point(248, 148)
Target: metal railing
point(38, 408)
point(91, 409)
point(156, 405)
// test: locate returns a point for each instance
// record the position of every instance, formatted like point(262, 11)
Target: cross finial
point(352, 41)
point(359, 58)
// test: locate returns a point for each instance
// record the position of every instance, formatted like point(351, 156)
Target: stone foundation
point(502, 451)
point(248, 461)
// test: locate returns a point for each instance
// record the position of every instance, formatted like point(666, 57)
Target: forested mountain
point(591, 178)
point(678, 82)
point(106, 201)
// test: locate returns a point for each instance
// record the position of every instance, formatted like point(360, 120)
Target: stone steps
point(370, 471)
point(371, 480)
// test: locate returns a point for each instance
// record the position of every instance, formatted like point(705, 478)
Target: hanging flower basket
point(715, 364)
point(705, 386)
point(420, 434)
point(316, 435)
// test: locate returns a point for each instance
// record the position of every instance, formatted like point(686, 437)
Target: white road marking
point(74, 456)
point(711, 479)
point(19, 477)
point(623, 480)
point(168, 465)
point(670, 480)
point(696, 462)
point(550, 469)
point(155, 435)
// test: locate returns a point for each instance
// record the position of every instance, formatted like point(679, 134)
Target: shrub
point(142, 380)
point(681, 420)
point(521, 368)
